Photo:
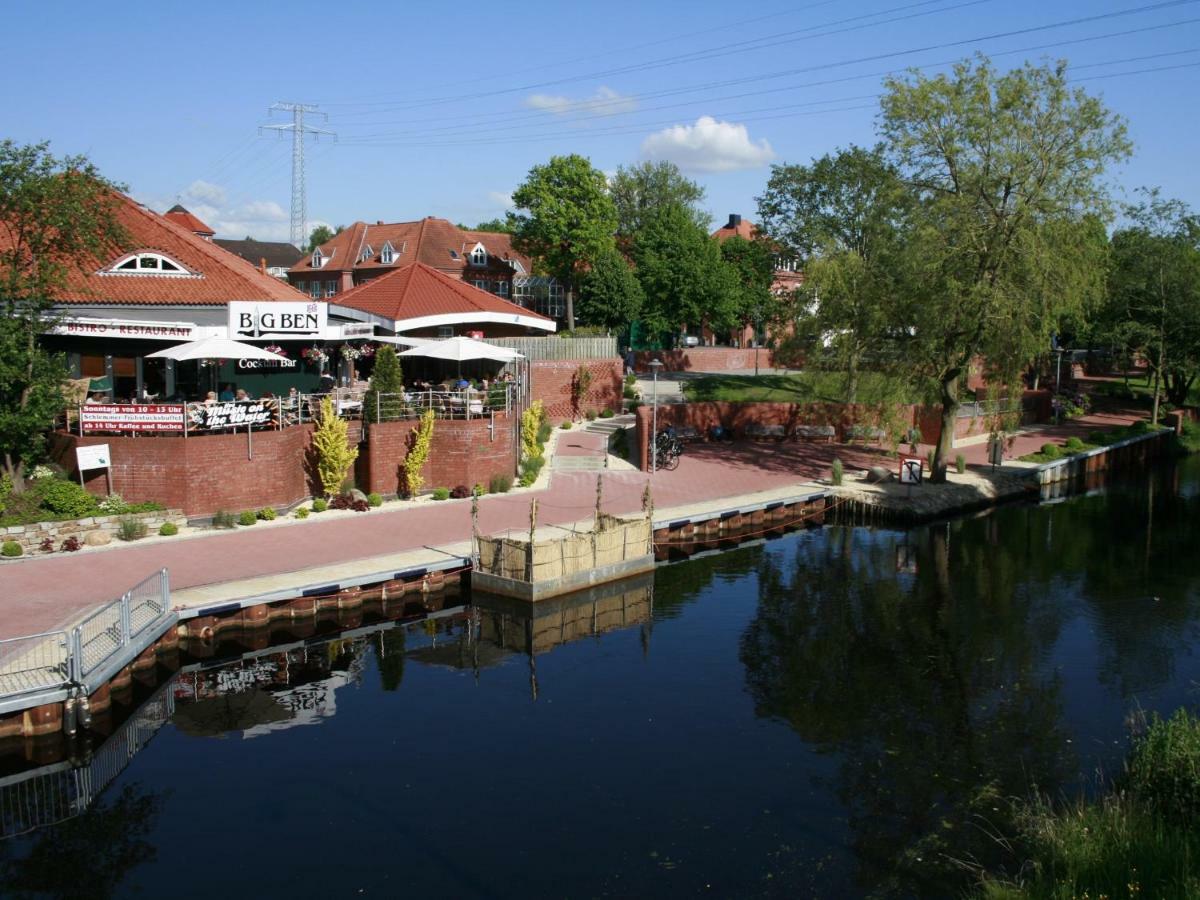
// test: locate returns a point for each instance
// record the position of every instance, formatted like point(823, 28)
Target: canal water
point(837, 712)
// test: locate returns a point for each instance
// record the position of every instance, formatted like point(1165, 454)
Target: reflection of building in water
point(268, 691)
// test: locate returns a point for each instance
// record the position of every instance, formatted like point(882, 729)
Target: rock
point(877, 474)
point(356, 494)
point(97, 538)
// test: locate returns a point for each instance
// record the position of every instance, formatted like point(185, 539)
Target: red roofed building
point(788, 276)
point(362, 252)
point(181, 216)
point(420, 300)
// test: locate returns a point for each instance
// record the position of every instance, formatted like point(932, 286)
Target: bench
point(825, 433)
point(868, 434)
point(689, 435)
point(766, 432)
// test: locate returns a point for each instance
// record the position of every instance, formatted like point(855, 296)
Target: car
point(689, 340)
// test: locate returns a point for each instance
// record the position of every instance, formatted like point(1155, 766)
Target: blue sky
point(441, 110)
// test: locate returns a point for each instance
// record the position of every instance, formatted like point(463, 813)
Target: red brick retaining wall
point(551, 382)
point(704, 359)
point(463, 452)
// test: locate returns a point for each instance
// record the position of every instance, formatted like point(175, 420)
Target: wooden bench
point(867, 434)
point(688, 434)
point(826, 433)
point(766, 432)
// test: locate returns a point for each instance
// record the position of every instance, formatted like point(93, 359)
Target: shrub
point(320, 505)
point(527, 478)
point(630, 380)
point(500, 484)
point(65, 498)
point(331, 448)
point(629, 393)
point(960, 464)
point(590, 415)
point(441, 493)
point(71, 545)
point(386, 386)
point(1073, 445)
point(460, 491)
point(10, 549)
point(267, 514)
point(1100, 438)
point(565, 426)
point(112, 505)
point(606, 413)
point(47, 545)
point(837, 471)
point(247, 518)
point(633, 405)
point(1164, 767)
point(223, 519)
point(342, 501)
point(414, 460)
point(533, 421)
point(543, 435)
point(168, 529)
point(1051, 451)
point(302, 512)
point(374, 499)
point(129, 529)
point(479, 490)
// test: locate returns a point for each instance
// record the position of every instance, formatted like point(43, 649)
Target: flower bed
point(32, 537)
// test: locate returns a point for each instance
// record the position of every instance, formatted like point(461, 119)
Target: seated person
point(94, 398)
point(462, 384)
point(242, 395)
point(210, 398)
point(226, 393)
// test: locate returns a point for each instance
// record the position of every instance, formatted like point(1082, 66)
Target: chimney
point(262, 264)
point(734, 221)
point(379, 221)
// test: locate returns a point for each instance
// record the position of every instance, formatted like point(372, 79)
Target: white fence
point(559, 348)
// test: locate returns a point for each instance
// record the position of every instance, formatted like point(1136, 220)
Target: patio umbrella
point(214, 348)
point(458, 349)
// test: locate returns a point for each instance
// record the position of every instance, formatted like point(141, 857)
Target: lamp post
point(655, 365)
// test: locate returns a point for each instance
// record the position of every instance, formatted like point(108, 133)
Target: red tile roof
point(434, 242)
point(742, 229)
point(181, 216)
point(417, 290)
point(215, 275)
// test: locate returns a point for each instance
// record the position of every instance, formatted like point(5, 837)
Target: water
point(838, 712)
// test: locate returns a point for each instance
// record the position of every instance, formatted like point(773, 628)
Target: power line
point(298, 131)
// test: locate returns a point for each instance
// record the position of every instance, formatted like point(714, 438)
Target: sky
point(441, 110)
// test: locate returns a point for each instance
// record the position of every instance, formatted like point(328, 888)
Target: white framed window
point(314, 290)
point(517, 267)
point(148, 264)
point(367, 252)
point(387, 255)
point(317, 259)
point(445, 331)
point(556, 306)
point(302, 287)
point(502, 289)
point(330, 288)
point(479, 256)
point(481, 284)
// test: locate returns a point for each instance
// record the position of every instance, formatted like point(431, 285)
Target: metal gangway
point(51, 666)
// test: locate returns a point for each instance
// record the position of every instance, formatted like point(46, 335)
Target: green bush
point(500, 484)
point(960, 464)
point(441, 493)
point(320, 504)
point(606, 413)
point(1073, 445)
point(129, 529)
point(168, 529)
point(65, 498)
point(1100, 438)
point(267, 514)
point(543, 433)
point(302, 512)
point(248, 517)
point(1051, 451)
point(1164, 767)
point(633, 405)
point(223, 519)
point(629, 393)
point(374, 499)
point(630, 380)
point(565, 426)
point(837, 472)
point(478, 491)
point(11, 549)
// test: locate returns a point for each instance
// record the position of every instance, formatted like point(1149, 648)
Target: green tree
point(331, 451)
point(56, 216)
point(501, 226)
point(844, 215)
point(319, 236)
point(753, 266)
point(565, 219)
point(639, 190)
point(1007, 171)
point(386, 390)
point(609, 292)
point(683, 275)
point(1154, 292)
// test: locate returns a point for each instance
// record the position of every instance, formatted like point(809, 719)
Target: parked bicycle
point(667, 450)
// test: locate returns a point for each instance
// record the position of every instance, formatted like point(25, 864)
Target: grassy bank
point(800, 387)
point(1141, 838)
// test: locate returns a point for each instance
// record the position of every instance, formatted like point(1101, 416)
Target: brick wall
point(705, 359)
point(463, 452)
point(551, 382)
point(200, 474)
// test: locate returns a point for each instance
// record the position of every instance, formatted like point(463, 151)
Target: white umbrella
point(458, 349)
point(214, 348)
point(401, 341)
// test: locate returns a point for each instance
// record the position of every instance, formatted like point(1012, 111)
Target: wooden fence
point(559, 348)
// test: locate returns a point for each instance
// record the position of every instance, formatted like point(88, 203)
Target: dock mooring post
point(529, 549)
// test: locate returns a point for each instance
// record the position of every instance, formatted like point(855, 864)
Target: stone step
point(579, 463)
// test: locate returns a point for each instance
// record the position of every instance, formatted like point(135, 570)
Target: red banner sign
point(131, 417)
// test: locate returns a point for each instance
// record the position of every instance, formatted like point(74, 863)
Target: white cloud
point(605, 102)
point(708, 146)
point(501, 199)
point(204, 192)
point(264, 220)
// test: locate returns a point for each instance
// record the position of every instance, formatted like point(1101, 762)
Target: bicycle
point(667, 450)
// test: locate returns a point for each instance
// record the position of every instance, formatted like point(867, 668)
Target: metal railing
point(464, 404)
point(36, 662)
point(107, 631)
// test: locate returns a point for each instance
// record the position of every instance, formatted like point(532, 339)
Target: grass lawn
point(1142, 388)
point(802, 387)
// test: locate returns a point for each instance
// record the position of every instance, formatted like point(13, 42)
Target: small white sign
point(93, 457)
point(358, 330)
point(911, 470)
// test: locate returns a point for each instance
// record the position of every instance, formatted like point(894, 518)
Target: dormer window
point(148, 264)
point(387, 255)
point(517, 267)
point(318, 259)
point(479, 256)
point(367, 252)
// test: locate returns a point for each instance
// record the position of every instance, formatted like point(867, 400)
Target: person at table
point(93, 398)
point(226, 393)
point(210, 399)
point(328, 383)
point(242, 395)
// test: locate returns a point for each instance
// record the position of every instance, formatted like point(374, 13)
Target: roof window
point(318, 259)
point(387, 255)
point(367, 252)
point(147, 264)
point(479, 256)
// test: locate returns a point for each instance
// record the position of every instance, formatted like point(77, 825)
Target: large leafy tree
point(319, 236)
point(609, 292)
point(637, 191)
point(753, 266)
point(844, 216)
point(1007, 169)
point(683, 275)
point(565, 219)
point(1154, 292)
point(495, 225)
point(56, 215)
point(385, 395)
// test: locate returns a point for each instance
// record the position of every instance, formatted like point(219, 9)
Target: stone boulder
point(97, 538)
point(356, 494)
point(878, 474)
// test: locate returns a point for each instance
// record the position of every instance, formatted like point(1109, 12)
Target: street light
point(655, 365)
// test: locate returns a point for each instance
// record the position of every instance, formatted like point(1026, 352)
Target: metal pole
point(654, 423)
point(1058, 389)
